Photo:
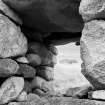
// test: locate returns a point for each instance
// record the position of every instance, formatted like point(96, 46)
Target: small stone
point(39, 92)
point(92, 9)
point(33, 97)
point(8, 67)
point(53, 49)
point(14, 103)
point(41, 50)
point(37, 82)
point(22, 96)
point(40, 83)
point(22, 60)
point(10, 89)
point(9, 12)
point(79, 92)
point(93, 53)
point(99, 95)
point(33, 59)
point(27, 71)
point(46, 72)
point(12, 40)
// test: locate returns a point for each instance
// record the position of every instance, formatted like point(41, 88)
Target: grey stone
point(56, 16)
point(27, 71)
point(46, 72)
point(10, 13)
point(47, 57)
point(33, 97)
point(8, 67)
point(41, 84)
point(93, 53)
point(22, 97)
point(53, 49)
point(79, 92)
point(62, 101)
point(10, 89)
point(12, 40)
point(92, 9)
point(33, 59)
point(22, 60)
point(97, 95)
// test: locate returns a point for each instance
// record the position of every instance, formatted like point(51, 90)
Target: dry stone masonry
point(25, 66)
point(27, 57)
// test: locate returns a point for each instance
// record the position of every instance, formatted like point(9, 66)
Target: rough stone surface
point(98, 95)
point(49, 16)
point(37, 82)
point(8, 67)
point(22, 60)
point(53, 49)
point(10, 13)
point(32, 96)
point(10, 89)
point(92, 9)
point(26, 71)
point(42, 84)
point(39, 92)
point(93, 53)
point(61, 101)
point(12, 40)
point(46, 72)
point(43, 52)
point(22, 96)
point(79, 92)
point(33, 59)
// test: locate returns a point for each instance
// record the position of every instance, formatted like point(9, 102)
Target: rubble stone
point(12, 40)
point(10, 13)
point(33, 59)
point(93, 53)
point(22, 60)
point(26, 71)
point(10, 89)
point(8, 67)
point(92, 9)
point(22, 96)
point(46, 72)
point(97, 95)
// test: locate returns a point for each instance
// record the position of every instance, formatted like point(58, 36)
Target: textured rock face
point(9, 12)
point(10, 89)
point(49, 16)
point(8, 67)
point(91, 9)
point(12, 40)
point(92, 53)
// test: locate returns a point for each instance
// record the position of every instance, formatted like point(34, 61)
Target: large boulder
point(49, 15)
point(93, 53)
point(12, 40)
point(91, 9)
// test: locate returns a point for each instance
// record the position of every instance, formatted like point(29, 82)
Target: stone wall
point(26, 63)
